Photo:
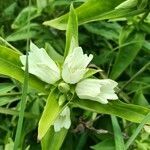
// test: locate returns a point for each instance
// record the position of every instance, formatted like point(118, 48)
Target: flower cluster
point(72, 72)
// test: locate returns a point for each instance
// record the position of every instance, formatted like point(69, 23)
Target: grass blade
point(119, 142)
point(17, 143)
point(137, 131)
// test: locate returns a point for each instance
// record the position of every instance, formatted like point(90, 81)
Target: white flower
point(75, 66)
point(63, 120)
point(97, 90)
point(41, 65)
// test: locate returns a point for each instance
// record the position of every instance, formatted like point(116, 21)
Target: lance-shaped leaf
point(10, 65)
point(53, 140)
point(130, 112)
point(119, 142)
point(72, 32)
point(93, 10)
point(134, 41)
point(50, 113)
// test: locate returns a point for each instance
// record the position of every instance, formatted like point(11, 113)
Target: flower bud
point(63, 87)
point(61, 100)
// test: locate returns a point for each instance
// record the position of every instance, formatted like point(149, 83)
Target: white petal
point(63, 120)
point(75, 66)
point(67, 123)
point(23, 59)
point(48, 74)
point(108, 82)
point(102, 100)
point(97, 90)
point(33, 47)
point(41, 65)
point(57, 125)
point(72, 76)
point(107, 89)
point(88, 89)
point(107, 95)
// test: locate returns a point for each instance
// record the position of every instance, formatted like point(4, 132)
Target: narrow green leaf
point(107, 144)
point(100, 10)
point(133, 113)
point(91, 72)
point(85, 12)
point(10, 55)
point(82, 141)
point(119, 142)
point(25, 87)
point(22, 18)
point(51, 111)
point(6, 44)
point(6, 87)
point(139, 99)
point(13, 112)
point(145, 120)
point(53, 54)
point(127, 4)
point(127, 53)
point(42, 4)
point(53, 140)
point(72, 32)
point(21, 33)
point(146, 46)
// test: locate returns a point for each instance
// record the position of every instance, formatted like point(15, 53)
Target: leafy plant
point(115, 34)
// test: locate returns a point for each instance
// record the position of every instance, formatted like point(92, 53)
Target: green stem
point(137, 131)
point(11, 94)
point(9, 45)
point(17, 143)
point(135, 75)
point(7, 111)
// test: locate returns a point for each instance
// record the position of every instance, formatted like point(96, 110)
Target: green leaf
point(139, 99)
point(41, 4)
point(144, 26)
point(109, 30)
point(146, 46)
point(53, 53)
point(91, 72)
point(50, 113)
point(127, 53)
point(107, 144)
point(22, 34)
point(22, 18)
point(119, 142)
point(6, 97)
point(72, 32)
point(11, 66)
point(94, 10)
point(127, 4)
point(53, 140)
point(137, 131)
point(130, 112)
point(6, 87)
point(9, 145)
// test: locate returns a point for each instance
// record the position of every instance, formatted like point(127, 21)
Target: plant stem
point(17, 143)
point(134, 76)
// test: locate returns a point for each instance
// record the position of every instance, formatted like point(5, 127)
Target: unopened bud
point(61, 100)
point(63, 87)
